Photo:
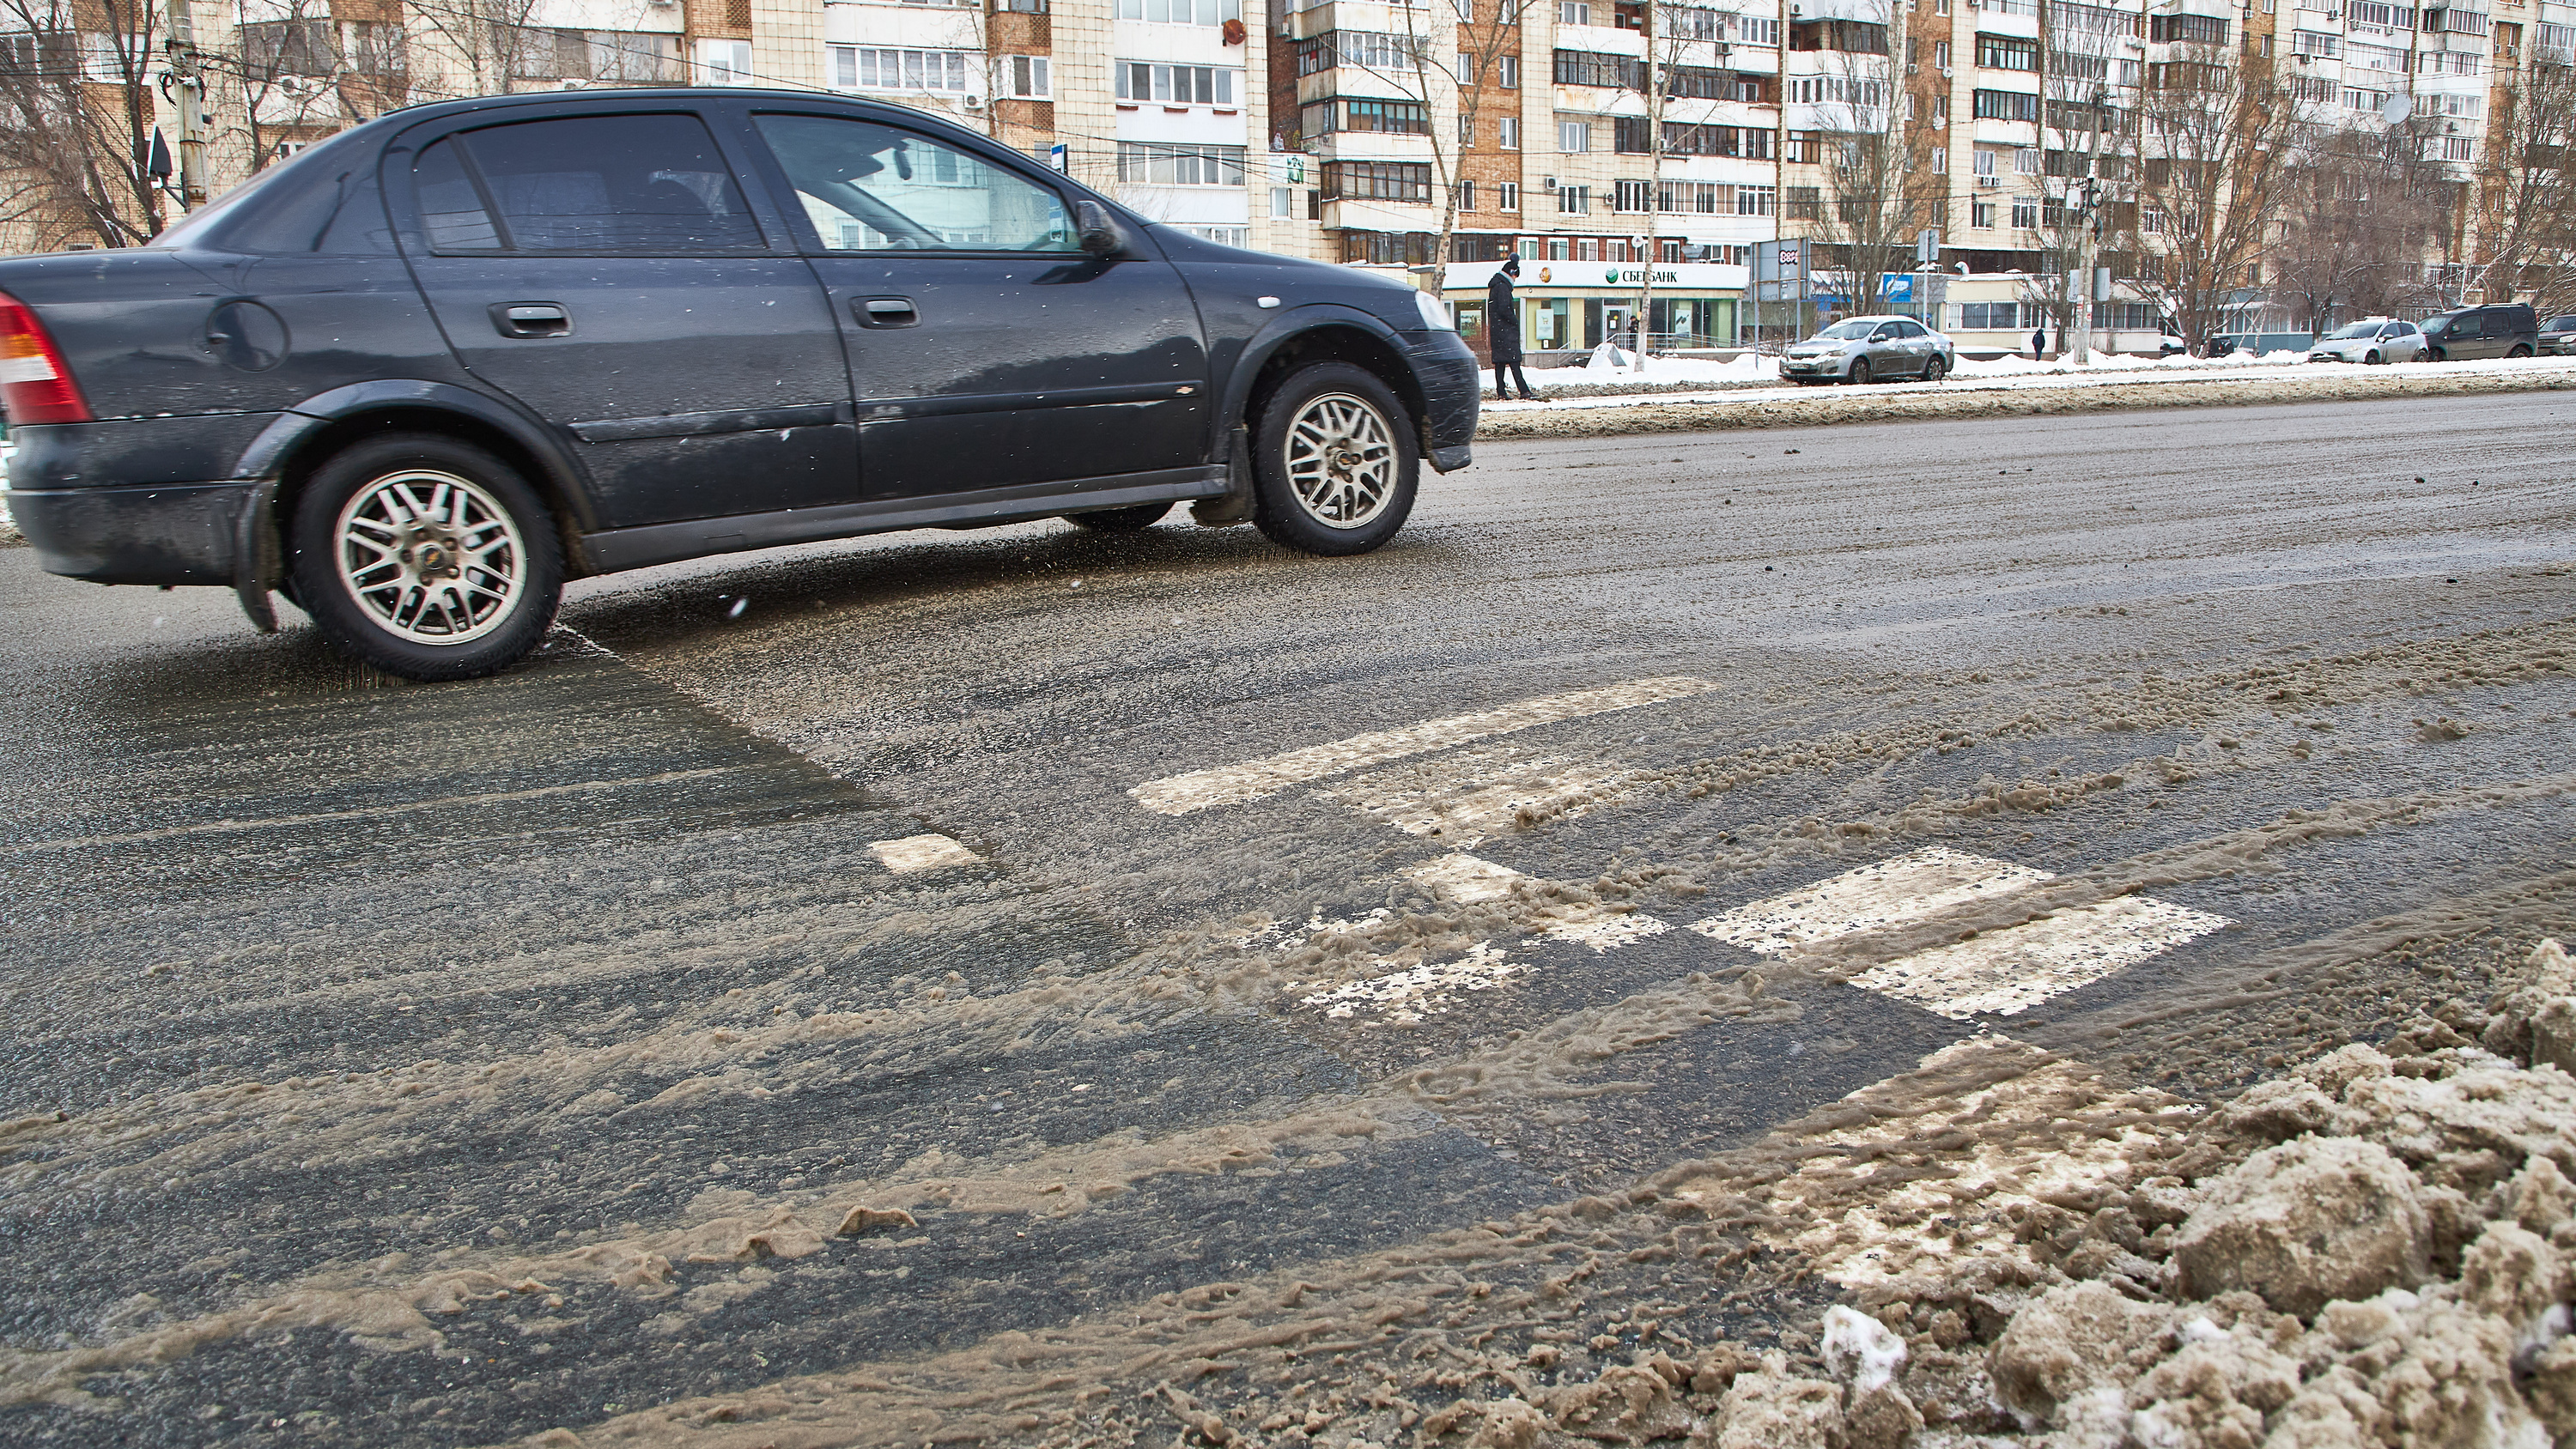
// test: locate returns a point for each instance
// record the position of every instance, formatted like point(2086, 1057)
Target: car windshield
point(2561, 324)
point(1851, 331)
point(2358, 329)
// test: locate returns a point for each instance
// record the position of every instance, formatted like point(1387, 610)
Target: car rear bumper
point(162, 533)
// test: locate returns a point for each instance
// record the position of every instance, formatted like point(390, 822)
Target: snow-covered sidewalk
point(1756, 379)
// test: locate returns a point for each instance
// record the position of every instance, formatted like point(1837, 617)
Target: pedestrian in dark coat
point(1503, 329)
point(2038, 343)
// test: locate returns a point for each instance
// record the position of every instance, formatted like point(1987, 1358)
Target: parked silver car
point(2373, 340)
point(1866, 349)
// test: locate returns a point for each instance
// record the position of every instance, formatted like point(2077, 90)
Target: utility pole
point(1654, 187)
point(2088, 229)
point(188, 80)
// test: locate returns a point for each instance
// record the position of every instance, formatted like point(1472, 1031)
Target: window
point(868, 68)
point(1155, 163)
point(1509, 72)
point(2006, 106)
point(1466, 195)
point(1704, 198)
point(584, 184)
point(1590, 68)
point(1402, 118)
point(1378, 181)
point(1573, 12)
point(1687, 139)
point(2028, 162)
point(1981, 215)
point(1028, 77)
point(1574, 200)
point(2556, 42)
point(724, 62)
point(2001, 52)
point(1629, 196)
point(2455, 21)
point(1754, 30)
point(1365, 49)
point(949, 199)
point(1573, 137)
point(1507, 133)
point(1507, 196)
point(1181, 12)
point(1804, 149)
point(1283, 201)
point(1756, 200)
point(2187, 29)
point(1802, 203)
point(1178, 85)
point(1989, 316)
point(2457, 148)
point(1466, 68)
point(2025, 213)
point(1466, 130)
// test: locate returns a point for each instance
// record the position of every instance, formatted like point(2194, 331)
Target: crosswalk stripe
point(1484, 793)
point(1467, 880)
point(2003, 973)
point(1258, 779)
point(922, 852)
point(1892, 892)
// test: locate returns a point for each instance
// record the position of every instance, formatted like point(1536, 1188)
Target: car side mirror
point(1094, 232)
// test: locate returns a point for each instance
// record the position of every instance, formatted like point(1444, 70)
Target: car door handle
point(531, 319)
point(885, 311)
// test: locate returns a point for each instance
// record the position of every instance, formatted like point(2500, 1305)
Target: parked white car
point(1868, 349)
point(2374, 340)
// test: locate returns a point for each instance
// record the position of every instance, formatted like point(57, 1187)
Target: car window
point(869, 187)
point(2468, 324)
point(652, 184)
point(1909, 329)
point(2562, 324)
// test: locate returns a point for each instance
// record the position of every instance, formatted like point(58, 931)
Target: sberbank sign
point(1614, 276)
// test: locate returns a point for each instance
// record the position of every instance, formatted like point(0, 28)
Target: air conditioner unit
point(974, 103)
point(1990, 181)
point(1947, 72)
point(1548, 184)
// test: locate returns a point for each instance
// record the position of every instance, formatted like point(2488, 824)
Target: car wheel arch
point(303, 440)
point(1266, 363)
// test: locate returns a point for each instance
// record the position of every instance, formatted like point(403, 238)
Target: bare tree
point(305, 73)
point(2526, 223)
point(2217, 131)
point(2363, 208)
point(2084, 142)
point(81, 154)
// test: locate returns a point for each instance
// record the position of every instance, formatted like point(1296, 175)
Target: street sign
point(1060, 156)
point(1927, 248)
point(1779, 271)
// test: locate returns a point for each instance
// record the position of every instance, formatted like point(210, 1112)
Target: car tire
point(2518, 351)
point(1935, 369)
point(1859, 375)
point(2372, 358)
point(1120, 520)
point(2435, 354)
point(1335, 464)
point(451, 528)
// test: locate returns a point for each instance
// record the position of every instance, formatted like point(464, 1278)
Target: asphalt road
point(863, 979)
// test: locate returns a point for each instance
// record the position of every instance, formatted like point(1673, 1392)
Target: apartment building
point(1359, 131)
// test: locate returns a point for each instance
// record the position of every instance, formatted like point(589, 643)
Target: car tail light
point(35, 386)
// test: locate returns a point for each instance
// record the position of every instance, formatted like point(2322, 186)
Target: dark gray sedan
point(423, 372)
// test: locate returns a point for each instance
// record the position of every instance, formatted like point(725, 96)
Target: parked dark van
point(418, 375)
point(2498, 329)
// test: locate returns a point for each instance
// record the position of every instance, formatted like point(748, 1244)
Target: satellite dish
point(2399, 107)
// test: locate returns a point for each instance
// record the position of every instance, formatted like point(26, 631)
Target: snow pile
point(2375, 1252)
point(1744, 367)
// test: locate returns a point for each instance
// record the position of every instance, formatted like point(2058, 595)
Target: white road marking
point(2005, 972)
point(1467, 799)
point(922, 852)
point(1467, 880)
point(1892, 892)
point(1418, 991)
point(1257, 779)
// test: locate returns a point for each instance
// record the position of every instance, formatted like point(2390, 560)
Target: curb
point(1720, 415)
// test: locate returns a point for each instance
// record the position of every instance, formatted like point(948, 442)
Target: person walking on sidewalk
point(2038, 343)
point(1503, 328)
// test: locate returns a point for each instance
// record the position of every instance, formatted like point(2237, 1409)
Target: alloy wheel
point(431, 557)
point(1341, 460)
